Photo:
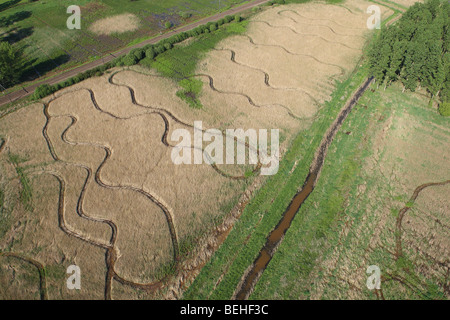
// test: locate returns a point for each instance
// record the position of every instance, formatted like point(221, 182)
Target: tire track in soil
point(161, 112)
point(39, 266)
point(2, 144)
point(253, 273)
point(313, 34)
point(267, 83)
point(267, 77)
point(111, 253)
point(212, 86)
point(399, 244)
point(341, 69)
point(404, 210)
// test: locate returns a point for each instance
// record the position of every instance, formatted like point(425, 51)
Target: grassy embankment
point(338, 203)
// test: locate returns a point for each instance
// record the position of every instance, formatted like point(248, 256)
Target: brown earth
point(106, 195)
point(116, 24)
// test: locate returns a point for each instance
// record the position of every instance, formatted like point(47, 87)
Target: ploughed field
point(87, 176)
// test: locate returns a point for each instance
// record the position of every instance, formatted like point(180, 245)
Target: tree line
point(415, 52)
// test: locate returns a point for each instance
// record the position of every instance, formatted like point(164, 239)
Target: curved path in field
point(95, 176)
point(40, 268)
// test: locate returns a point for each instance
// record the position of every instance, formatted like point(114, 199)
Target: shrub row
point(134, 56)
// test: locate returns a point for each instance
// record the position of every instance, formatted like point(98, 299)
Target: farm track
point(39, 267)
point(111, 251)
point(254, 272)
point(341, 69)
point(404, 210)
point(298, 14)
point(19, 94)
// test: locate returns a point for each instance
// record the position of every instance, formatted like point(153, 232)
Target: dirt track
point(27, 91)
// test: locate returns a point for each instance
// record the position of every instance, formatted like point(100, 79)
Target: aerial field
point(39, 28)
point(87, 176)
point(382, 199)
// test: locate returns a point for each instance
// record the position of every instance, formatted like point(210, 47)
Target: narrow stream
point(246, 286)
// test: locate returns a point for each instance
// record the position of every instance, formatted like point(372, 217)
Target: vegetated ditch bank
point(254, 272)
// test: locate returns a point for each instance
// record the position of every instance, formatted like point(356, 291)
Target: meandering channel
point(251, 277)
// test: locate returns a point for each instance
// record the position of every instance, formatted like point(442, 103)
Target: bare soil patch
point(117, 24)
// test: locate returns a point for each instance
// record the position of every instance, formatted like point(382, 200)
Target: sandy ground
point(116, 24)
point(108, 156)
point(314, 45)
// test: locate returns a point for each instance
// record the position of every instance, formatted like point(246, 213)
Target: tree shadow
point(13, 18)
point(15, 35)
point(32, 72)
point(7, 4)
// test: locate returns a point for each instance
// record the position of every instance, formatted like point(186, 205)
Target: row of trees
point(416, 51)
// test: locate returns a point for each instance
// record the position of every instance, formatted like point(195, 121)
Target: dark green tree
point(11, 62)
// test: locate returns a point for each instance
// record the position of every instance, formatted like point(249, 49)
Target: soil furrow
point(313, 34)
point(341, 69)
point(41, 269)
